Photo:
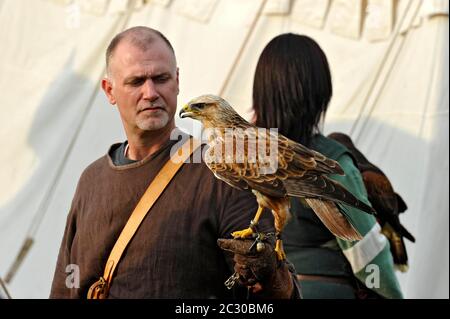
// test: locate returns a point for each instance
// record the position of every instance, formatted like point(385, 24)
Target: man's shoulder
point(98, 166)
point(99, 163)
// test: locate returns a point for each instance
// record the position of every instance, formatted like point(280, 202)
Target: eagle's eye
point(198, 106)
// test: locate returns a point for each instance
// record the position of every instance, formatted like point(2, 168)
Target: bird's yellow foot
point(279, 250)
point(245, 233)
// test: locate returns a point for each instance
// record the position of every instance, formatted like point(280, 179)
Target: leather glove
point(261, 272)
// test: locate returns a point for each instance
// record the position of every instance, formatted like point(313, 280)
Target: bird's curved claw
point(245, 233)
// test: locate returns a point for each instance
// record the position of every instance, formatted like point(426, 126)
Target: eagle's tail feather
point(333, 219)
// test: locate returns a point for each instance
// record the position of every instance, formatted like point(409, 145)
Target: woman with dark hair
point(291, 91)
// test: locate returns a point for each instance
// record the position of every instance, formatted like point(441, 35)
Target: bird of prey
point(386, 202)
point(298, 171)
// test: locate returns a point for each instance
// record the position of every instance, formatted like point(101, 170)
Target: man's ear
point(108, 89)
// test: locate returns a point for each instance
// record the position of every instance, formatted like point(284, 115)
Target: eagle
point(386, 202)
point(273, 167)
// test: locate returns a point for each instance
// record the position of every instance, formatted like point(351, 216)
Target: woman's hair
point(292, 87)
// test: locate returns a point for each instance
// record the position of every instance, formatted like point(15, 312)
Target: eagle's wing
point(243, 175)
point(401, 204)
point(222, 170)
point(264, 161)
point(306, 175)
point(385, 201)
point(308, 158)
point(322, 187)
point(380, 192)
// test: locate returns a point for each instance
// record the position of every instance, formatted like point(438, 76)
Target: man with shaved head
point(142, 80)
point(175, 251)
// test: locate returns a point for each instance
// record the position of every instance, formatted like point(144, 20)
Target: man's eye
point(136, 82)
point(161, 79)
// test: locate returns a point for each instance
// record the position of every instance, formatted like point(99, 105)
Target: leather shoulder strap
point(146, 202)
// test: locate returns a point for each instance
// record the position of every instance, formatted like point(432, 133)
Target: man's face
point(144, 85)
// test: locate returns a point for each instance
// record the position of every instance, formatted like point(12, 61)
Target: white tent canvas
point(389, 62)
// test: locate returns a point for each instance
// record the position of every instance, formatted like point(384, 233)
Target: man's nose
point(149, 91)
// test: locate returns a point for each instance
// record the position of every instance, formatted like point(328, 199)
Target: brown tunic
point(174, 253)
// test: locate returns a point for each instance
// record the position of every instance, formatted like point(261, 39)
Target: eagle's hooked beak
point(186, 111)
point(191, 110)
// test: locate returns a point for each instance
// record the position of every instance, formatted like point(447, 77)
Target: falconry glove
point(260, 270)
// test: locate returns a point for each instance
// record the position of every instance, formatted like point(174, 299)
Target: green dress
point(315, 251)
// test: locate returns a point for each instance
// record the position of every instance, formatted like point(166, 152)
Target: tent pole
point(3, 289)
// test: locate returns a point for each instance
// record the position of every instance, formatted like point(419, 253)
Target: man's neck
point(142, 145)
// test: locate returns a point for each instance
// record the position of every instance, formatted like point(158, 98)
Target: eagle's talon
point(245, 233)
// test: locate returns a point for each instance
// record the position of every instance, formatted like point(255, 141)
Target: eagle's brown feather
point(236, 154)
